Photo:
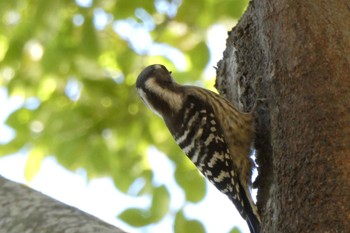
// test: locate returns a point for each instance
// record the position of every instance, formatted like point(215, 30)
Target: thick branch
point(301, 51)
point(25, 210)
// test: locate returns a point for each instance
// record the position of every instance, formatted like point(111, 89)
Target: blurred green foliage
point(79, 64)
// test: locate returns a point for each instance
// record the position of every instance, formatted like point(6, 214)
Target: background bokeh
point(72, 124)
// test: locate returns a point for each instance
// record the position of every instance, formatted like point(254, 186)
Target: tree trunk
point(296, 54)
point(25, 210)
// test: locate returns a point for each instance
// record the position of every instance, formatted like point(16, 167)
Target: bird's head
point(159, 91)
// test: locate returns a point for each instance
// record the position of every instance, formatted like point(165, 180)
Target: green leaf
point(183, 225)
point(190, 11)
point(235, 230)
point(160, 203)
point(33, 163)
point(135, 217)
point(199, 56)
point(147, 176)
point(233, 8)
point(4, 44)
point(159, 208)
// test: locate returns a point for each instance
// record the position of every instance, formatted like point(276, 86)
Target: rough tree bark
point(25, 210)
point(296, 54)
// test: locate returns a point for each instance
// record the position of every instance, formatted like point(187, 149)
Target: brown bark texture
point(296, 54)
point(25, 210)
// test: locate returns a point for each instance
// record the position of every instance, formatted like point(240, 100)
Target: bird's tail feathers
point(252, 216)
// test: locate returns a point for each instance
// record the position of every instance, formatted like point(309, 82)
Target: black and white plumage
point(211, 132)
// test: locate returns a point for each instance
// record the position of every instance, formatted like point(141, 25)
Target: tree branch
point(25, 210)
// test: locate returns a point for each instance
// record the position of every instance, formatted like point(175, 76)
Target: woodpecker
point(214, 134)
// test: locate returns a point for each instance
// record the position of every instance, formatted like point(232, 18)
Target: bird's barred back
point(200, 137)
point(238, 133)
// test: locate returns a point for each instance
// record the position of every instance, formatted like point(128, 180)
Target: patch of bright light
point(13, 166)
point(107, 133)
point(7, 134)
point(78, 19)
point(158, 160)
point(141, 46)
point(167, 7)
point(173, 54)
point(117, 76)
point(101, 18)
point(36, 126)
point(137, 36)
point(254, 176)
point(147, 19)
point(84, 3)
point(118, 79)
point(216, 40)
point(7, 73)
point(136, 186)
point(73, 89)
point(12, 17)
point(35, 49)
point(32, 103)
point(123, 28)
